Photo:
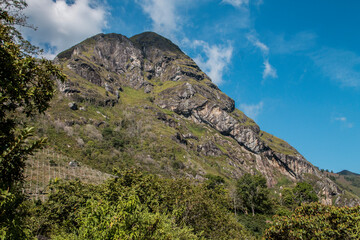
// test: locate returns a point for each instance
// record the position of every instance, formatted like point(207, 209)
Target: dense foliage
point(302, 193)
point(316, 221)
point(134, 205)
point(26, 87)
point(253, 194)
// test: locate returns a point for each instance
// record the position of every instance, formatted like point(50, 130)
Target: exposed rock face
point(209, 149)
point(147, 61)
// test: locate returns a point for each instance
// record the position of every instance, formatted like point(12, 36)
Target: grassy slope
point(347, 180)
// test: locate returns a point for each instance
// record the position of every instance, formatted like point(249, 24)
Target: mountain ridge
point(150, 75)
point(347, 172)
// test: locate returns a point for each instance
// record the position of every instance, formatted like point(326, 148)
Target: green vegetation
point(134, 97)
point(256, 224)
point(134, 205)
point(246, 121)
point(166, 85)
point(277, 144)
point(304, 193)
point(316, 221)
point(349, 181)
point(25, 89)
point(196, 129)
point(291, 198)
point(253, 194)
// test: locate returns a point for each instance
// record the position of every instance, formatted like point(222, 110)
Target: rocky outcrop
point(204, 104)
point(209, 149)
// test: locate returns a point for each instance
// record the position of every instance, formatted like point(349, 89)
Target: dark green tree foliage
point(214, 181)
point(253, 194)
point(26, 87)
point(304, 193)
point(288, 197)
point(291, 198)
point(64, 201)
point(255, 224)
point(316, 221)
point(137, 206)
point(12, 214)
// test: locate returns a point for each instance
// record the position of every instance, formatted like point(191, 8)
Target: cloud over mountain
point(61, 24)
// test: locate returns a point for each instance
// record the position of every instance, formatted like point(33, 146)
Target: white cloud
point(167, 20)
point(339, 65)
point(269, 71)
point(342, 119)
point(163, 14)
point(237, 3)
point(217, 59)
point(257, 43)
point(344, 122)
point(61, 25)
point(252, 110)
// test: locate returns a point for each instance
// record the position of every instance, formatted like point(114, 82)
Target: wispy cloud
point(61, 25)
point(269, 71)
point(344, 121)
point(256, 42)
point(215, 61)
point(237, 3)
point(165, 16)
point(339, 65)
point(243, 3)
point(302, 41)
point(252, 110)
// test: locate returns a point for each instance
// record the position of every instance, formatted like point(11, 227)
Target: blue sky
point(293, 66)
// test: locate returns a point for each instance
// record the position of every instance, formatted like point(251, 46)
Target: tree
point(214, 181)
point(26, 87)
point(304, 193)
point(288, 197)
point(253, 194)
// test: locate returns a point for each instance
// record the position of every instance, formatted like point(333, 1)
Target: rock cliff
point(151, 76)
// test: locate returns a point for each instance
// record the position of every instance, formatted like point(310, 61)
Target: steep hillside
point(347, 180)
point(142, 102)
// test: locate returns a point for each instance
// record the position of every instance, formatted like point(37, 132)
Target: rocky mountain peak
point(150, 42)
point(101, 67)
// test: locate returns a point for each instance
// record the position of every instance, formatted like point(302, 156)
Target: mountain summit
point(142, 102)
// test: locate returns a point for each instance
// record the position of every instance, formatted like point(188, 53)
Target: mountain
point(348, 173)
point(347, 180)
point(141, 102)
